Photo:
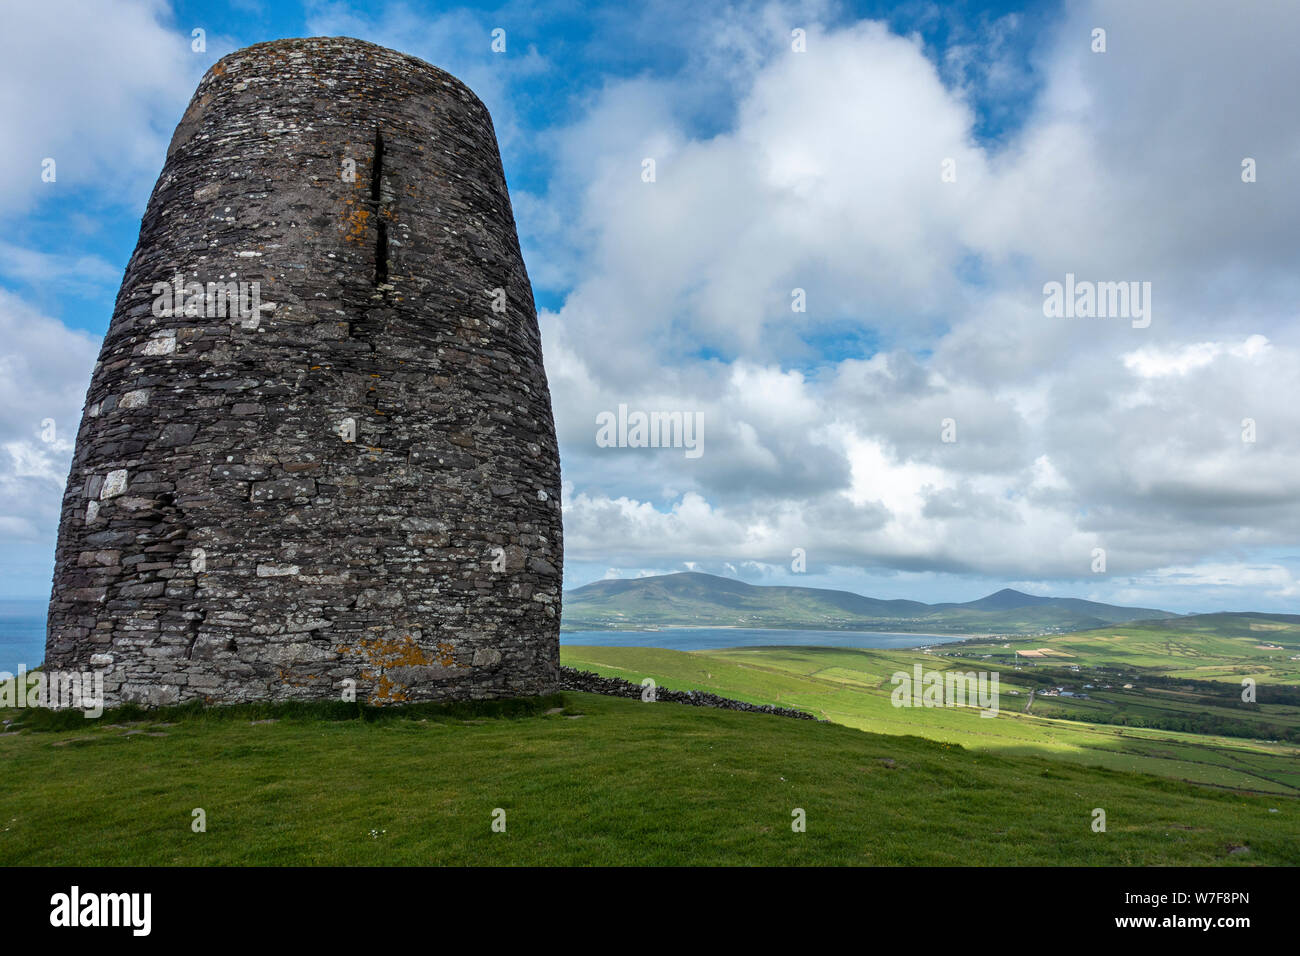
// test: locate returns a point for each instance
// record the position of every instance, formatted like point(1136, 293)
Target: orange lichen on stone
point(388, 692)
point(382, 654)
point(356, 220)
point(284, 678)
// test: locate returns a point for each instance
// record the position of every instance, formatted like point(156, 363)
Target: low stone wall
point(586, 681)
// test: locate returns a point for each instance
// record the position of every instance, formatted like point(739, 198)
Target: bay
point(713, 638)
point(22, 634)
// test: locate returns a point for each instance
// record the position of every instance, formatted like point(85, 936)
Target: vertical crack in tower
point(376, 198)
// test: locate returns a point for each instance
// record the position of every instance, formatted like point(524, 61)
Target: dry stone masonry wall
point(318, 445)
point(593, 683)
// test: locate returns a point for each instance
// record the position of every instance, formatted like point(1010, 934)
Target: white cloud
point(821, 171)
point(1071, 434)
point(68, 273)
point(44, 372)
point(98, 88)
point(1154, 362)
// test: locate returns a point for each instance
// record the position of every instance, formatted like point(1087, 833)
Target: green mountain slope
point(694, 599)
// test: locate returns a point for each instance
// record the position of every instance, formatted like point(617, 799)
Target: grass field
point(852, 687)
point(1223, 647)
point(585, 779)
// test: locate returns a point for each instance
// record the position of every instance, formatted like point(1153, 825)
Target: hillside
point(1191, 733)
point(694, 599)
point(585, 780)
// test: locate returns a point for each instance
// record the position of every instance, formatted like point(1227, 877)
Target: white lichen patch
point(161, 343)
point(114, 484)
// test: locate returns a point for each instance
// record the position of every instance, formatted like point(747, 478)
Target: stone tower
point(317, 451)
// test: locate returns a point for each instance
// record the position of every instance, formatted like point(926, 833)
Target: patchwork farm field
point(1222, 647)
point(852, 687)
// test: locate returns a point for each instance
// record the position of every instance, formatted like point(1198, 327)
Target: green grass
point(1224, 647)
point(852, 687)
point(605, 781)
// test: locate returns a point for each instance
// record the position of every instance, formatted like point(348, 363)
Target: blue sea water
point(22, 637)
point(712, 638)
point(22, 634)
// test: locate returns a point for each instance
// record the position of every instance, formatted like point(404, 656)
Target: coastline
point(643, 629)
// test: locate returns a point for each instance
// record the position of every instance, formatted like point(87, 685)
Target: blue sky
point(780, 170)
point(586, 46)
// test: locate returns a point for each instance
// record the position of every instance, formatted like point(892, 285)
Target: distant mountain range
point(706, 600)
